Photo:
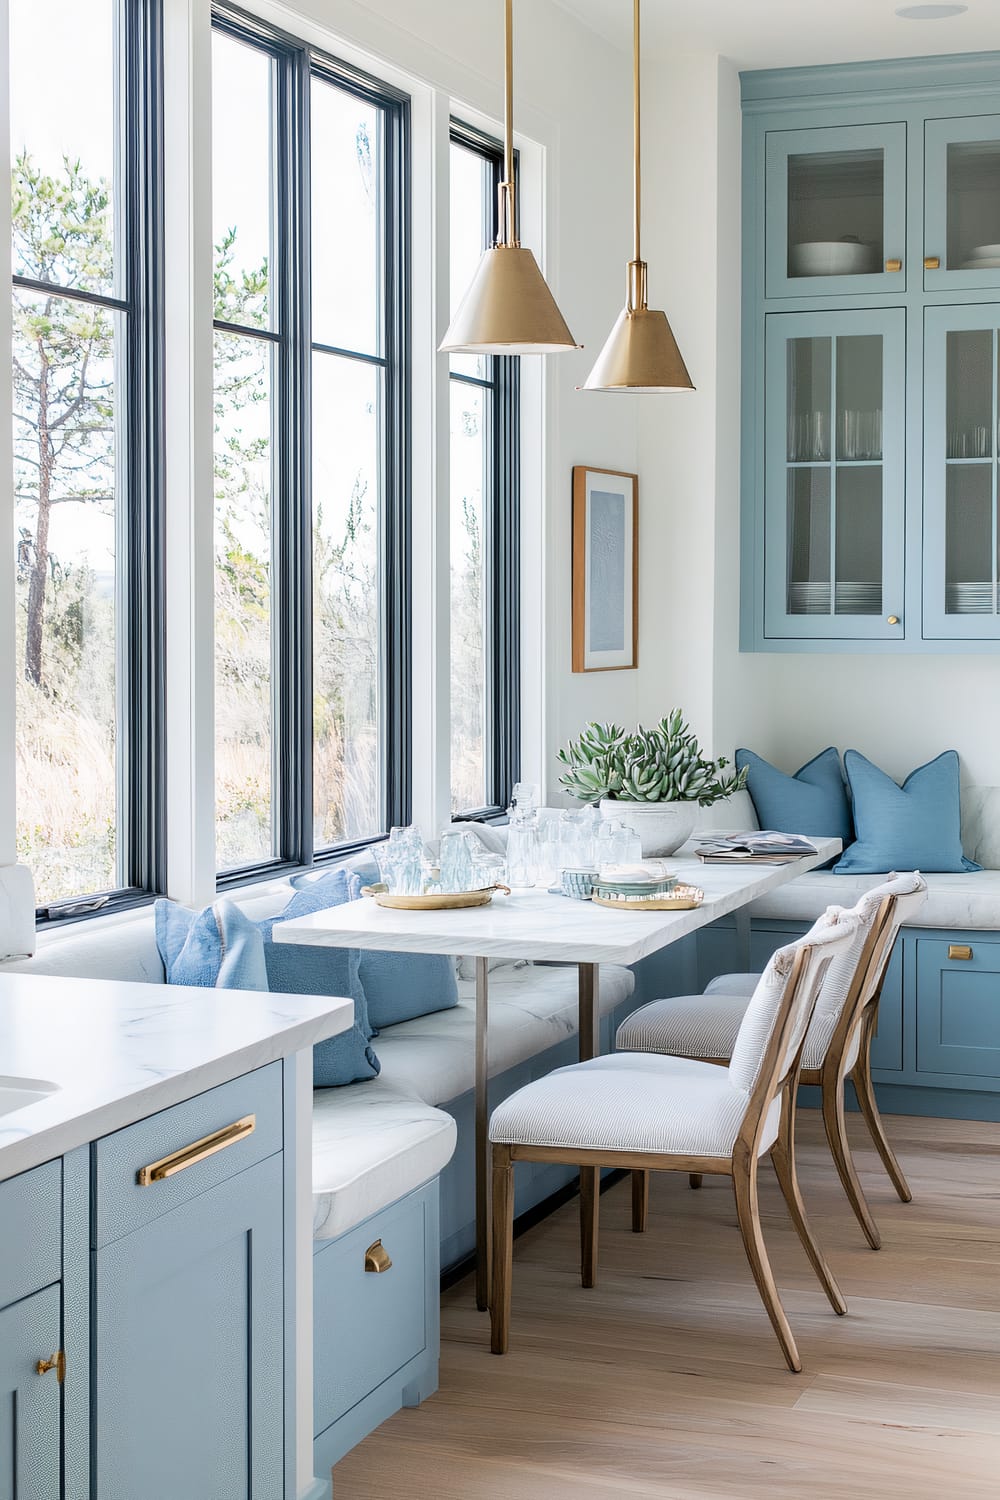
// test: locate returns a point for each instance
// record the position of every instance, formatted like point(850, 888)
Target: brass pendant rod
point(637, 175)
point(507, 228)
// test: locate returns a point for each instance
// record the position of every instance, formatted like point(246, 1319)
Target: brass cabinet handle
point(892, 619)
point(894, 265)
point(57, 1363)
point(959, 950)
point(187, 1156)
point(932, 262)
point(377, 1258)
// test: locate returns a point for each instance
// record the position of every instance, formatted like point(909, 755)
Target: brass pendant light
point(641, 354)
point(508, 309)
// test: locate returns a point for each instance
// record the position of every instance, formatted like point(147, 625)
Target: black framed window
point(86, 91)
point(485, 496)
point(312, 452)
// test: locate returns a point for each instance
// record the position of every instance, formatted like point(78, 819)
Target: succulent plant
point(662, 764)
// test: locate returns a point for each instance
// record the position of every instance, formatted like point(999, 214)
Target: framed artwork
point(605, 570)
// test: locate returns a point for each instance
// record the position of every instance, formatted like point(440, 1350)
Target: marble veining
point(119, 1051)
point(534, 925)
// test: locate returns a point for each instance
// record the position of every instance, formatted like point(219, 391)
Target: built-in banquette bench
point(393, 1157)
point(938, 1046)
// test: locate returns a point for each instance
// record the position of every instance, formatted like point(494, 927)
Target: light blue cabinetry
point(30, 1402)
point(871, 292)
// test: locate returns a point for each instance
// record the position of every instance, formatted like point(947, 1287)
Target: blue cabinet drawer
point(958, 1006)
point(368, 1324)
point(215, 1128)
point(30, 1232)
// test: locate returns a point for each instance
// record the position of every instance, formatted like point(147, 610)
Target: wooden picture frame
point(605, 570)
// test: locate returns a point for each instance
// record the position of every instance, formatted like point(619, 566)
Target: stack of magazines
point(765, 847)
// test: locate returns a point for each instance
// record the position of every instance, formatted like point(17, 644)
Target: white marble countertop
point(119, 1051)
point(532, 924)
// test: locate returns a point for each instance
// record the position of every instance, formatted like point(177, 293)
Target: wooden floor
point(666, 1379)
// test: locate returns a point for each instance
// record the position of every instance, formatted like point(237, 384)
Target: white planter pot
point(662, 826)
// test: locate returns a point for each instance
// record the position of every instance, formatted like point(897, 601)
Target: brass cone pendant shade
point(508, 308)
point(641, 353)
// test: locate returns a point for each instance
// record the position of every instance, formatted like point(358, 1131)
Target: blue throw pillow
point(398, 986)
point(218, 948)
point(814, 800)
point(916, 826)
point(302, 969)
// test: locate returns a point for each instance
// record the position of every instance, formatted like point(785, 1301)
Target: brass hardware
point(187, 1156)
point(932, 262)
point(894, 265)
point(377, 1258)
point(959, 950)
point(892, 619)
point(57, 1363)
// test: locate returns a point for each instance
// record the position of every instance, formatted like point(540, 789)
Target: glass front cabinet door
point(836, 211)
point(961, 456)
point(833, 476)
point(962, 203)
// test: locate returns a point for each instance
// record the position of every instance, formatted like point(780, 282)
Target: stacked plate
point(809, 598)
point(859, 598)
point(983, 258)
point(846, 257)
point(969, 599)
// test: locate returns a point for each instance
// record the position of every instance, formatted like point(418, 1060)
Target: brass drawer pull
point(377, 1258)
point(187, 1156)
point(894, 265)
point(959, 950)
point(57, 1363)
point(932, 262)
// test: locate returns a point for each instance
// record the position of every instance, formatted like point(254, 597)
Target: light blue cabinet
point(836, 211)
point(958, 1008)
point(871, 254)
point(188, 1348)
point(834, 513)
point(30, 1401)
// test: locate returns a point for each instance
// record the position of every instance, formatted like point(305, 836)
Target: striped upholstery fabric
point(707, 1025)
point(631, 1102)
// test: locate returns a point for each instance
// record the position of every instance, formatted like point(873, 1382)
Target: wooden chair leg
point(640, 1202)
point(863, 1087)
point(590, 1206)
point(503, 1248)
point(783, 1157)
point(694, 1179)
point(748, 1214)
point(835, 1125)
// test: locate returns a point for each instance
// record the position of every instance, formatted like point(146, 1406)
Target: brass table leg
point(482, 1135)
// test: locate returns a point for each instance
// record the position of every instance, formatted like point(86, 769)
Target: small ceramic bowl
point(578, 883)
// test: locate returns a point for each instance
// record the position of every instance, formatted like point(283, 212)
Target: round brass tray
point(681, 898)
point(437, 901)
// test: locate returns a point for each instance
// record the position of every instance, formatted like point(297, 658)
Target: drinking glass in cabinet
point(809, 388)
point(836, 203)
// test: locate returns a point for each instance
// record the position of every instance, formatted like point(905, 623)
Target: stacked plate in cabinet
point(983, 258)
point(970, 599)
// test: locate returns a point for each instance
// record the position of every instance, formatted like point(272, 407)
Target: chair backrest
point(855, 981)
point(774, 1026)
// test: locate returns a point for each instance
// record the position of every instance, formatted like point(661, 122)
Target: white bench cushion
point(372, 1144)
point(958, 901)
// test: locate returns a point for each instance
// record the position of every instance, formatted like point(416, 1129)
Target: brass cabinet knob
point(959, 950)
point(932, 262)
point(57, 1363)
point(892, 619)
point(377, 1258)
point(894, 265)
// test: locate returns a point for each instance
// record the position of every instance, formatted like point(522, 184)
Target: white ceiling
point(787, 33)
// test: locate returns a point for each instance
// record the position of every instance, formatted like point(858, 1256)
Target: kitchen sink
point(15, 1093)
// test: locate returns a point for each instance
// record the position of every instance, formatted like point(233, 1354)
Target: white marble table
point(531, 924)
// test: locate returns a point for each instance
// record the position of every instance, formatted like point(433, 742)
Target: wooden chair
point(675, 1114)
point(837, 1046)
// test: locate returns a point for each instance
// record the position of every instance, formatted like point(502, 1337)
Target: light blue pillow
point(916, 826)
point(218, 948)
point(814, 800)
point(398, 986)
point(302, 969)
